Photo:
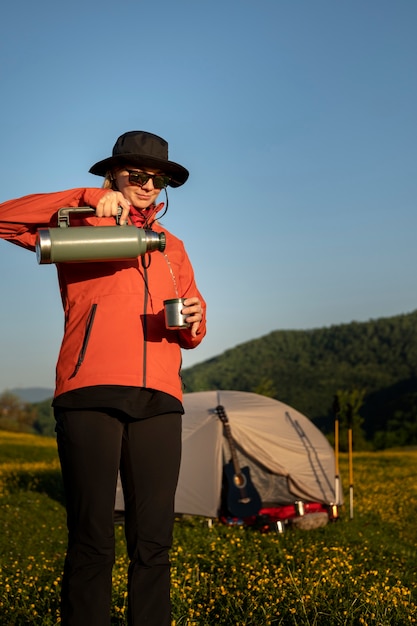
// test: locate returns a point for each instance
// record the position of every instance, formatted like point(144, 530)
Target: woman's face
point(141, 196)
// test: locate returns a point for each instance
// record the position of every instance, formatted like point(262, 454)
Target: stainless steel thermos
point(93, 243)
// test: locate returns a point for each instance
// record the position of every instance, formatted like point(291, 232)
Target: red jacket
point(114, 318)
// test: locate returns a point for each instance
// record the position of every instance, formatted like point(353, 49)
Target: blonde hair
point(109, 182)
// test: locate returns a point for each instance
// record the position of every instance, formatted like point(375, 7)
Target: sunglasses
point(141, 178)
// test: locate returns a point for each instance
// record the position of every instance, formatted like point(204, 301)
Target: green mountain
point(306, 368)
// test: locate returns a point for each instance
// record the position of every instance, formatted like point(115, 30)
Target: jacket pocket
point(87, 333)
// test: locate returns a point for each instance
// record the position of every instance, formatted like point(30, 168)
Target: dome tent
point(289, 459)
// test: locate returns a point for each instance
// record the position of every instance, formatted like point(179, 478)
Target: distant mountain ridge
point(32, 394)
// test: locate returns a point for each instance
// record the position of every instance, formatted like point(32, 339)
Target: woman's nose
point(148, 185)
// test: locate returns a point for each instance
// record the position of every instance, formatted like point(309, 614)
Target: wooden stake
point(350, 452)
point(336, 411)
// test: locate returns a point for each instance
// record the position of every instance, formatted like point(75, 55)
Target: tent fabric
point(200, 477)
point(288, 457)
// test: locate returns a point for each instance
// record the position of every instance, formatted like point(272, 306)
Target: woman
point(118, 393)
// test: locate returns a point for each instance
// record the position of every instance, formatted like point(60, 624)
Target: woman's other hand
point(194, 312)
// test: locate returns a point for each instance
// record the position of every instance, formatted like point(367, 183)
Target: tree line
point(26, 417)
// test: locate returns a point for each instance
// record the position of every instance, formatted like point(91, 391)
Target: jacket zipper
point(145, 323)
point(88, 327)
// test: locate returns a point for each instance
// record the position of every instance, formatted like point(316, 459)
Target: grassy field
point(360, 571)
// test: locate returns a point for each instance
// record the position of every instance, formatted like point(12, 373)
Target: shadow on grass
point(48, 481)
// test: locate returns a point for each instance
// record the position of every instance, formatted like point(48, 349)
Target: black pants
point(92, 445)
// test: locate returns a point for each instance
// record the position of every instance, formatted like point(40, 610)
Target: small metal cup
point(333, 512)
point(280, 526)
point(299, 507)
point(173, 316)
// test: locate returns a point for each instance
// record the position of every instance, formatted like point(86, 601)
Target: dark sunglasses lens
point(138, 178)
point(159, 182)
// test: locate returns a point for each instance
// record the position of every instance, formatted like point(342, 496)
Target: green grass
point(360, 571)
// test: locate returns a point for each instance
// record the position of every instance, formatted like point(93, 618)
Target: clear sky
point(296, 119)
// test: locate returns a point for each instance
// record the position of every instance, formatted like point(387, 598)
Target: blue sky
point(295, 118)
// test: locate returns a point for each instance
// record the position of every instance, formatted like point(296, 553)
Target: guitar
point(243, 500)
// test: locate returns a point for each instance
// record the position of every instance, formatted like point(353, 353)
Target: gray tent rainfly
point(288, 457)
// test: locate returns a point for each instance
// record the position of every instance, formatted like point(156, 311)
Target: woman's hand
point(194, 312)
point(109, 204)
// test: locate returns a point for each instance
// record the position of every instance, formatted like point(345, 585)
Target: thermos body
point(94, 243)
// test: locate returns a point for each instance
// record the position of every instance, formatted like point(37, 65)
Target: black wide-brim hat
point(142, 149)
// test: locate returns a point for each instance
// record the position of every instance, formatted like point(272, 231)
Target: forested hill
point(377, 360)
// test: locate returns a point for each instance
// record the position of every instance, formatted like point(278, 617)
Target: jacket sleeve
point(188, 290)
point(21, 218)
